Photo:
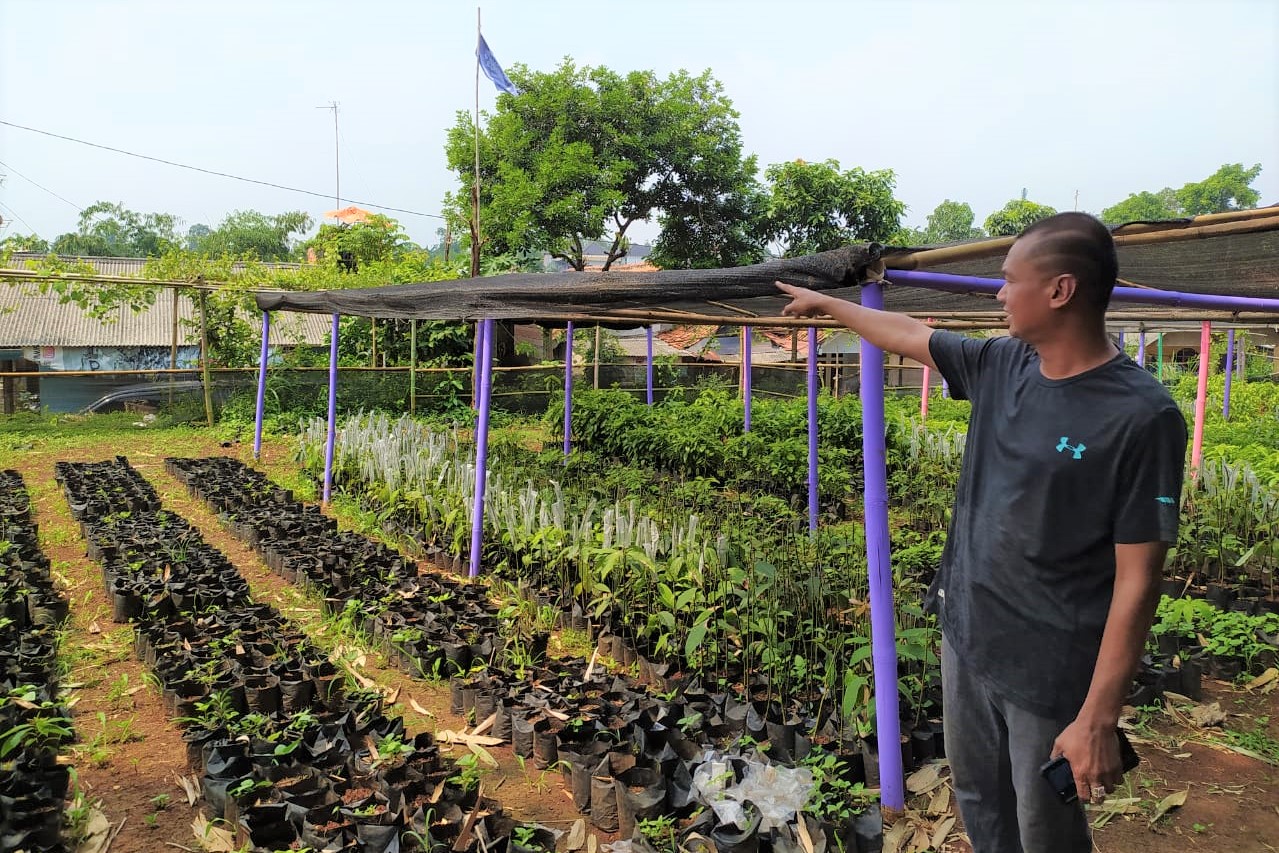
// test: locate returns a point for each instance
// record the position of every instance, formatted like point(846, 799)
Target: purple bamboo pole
point(568, 390)
point(812, 429)
point(1121, 341)
point(1137, 295)
point(333, 411)
point(1141, 348)
point(945, 388)
point(482, 443)
point(1241, 356)
point(882, 612)
point(260, 408)
point(746, 379)
point(1230, 363)
point(648, 366)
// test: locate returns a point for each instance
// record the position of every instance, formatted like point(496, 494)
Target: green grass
point(1255, 740)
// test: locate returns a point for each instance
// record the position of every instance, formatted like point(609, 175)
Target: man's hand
point(804, 302)
point(886, 330)
point(1093, 752)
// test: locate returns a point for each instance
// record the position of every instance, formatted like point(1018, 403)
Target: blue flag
point(493, 70)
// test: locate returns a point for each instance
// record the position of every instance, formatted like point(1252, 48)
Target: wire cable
point(46, 189)
point(20, 219)
point(213, 172)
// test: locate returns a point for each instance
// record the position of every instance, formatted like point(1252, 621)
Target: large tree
point(1143, 207)
point(582, 154)
point(1015, 217)
point(108, 229)
point(1228, 188)
point(950, 222)
point(248, 232)
point(813, 207)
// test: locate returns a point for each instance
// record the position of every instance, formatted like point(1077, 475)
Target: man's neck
point(1074, 351)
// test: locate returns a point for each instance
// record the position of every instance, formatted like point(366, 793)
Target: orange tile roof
point(682, 337)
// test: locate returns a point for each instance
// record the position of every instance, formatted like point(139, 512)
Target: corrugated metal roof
point(28, 319)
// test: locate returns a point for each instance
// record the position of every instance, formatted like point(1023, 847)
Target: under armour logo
point(1064, 445)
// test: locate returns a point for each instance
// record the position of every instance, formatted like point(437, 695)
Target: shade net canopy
point(1231, 258)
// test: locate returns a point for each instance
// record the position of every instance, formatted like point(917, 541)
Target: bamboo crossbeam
point(1213, 225)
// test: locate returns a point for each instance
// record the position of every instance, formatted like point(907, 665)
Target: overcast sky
point(971, 101)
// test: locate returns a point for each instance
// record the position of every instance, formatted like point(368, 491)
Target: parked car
point(155, 396)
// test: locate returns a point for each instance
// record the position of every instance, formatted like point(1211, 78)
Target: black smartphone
point(1062, 779)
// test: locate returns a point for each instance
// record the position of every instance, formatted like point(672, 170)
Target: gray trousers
point(995, 750)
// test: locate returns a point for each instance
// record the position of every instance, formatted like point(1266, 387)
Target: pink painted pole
point(1201, 397)
point(746, 379)
point(648, 366)
point(923, 394)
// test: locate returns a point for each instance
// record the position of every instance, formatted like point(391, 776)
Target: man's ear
point(1064, 289)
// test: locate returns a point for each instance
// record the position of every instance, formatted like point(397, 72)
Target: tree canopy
point(1228, 188)
point(112, 230)
point(1015, 217)
point(24, 243)
point(248, 232)
point(582, 153)
point(813, 207)
point(950, 222)
point(354, 246)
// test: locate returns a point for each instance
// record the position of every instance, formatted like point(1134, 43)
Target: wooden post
point(373, 325)
point(204, 358)
point(412, 367)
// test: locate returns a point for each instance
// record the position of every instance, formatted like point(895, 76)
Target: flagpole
point(475, 197)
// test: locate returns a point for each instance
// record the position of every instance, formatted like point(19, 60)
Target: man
point(1067, 502)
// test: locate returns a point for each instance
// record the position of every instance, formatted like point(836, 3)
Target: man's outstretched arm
point(885, 329)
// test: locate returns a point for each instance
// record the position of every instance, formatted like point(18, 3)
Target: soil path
point(129, 753)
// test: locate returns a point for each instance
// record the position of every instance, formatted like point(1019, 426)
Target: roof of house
point(29, 319)
point(683, 337)
point(636, 346)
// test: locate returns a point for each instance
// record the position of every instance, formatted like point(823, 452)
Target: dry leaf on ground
point(1168, 803)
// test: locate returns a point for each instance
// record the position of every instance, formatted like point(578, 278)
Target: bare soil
point(130, 753)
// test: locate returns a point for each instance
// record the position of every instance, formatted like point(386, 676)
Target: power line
point(20, 219)
point(46, 189)
point(214, 172)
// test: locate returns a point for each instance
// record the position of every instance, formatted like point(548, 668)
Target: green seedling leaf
point(482, 754)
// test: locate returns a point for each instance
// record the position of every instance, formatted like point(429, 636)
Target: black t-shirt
point(1056, 472)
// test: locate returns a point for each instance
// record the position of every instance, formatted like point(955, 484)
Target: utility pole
point(1076, 199)
point(337, 174)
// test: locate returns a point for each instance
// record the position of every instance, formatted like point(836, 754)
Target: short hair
point(1078, 244)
